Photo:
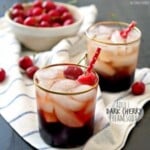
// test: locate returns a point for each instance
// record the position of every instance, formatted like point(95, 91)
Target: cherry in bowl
point(48, 24)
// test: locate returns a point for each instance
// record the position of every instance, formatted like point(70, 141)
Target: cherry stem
point(83, 58)
point(92, 62)
point(125, 32)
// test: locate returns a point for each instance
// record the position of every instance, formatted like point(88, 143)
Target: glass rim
point(64, 93)
point(113, 23)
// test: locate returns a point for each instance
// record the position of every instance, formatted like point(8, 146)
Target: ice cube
point(116, 37)
point(67, 102)
point(105, 30)
point(44, 101)
point(86, 96)
point(105, 68)
point(103, 37)
point(49, 73)
point(90, 107)
point(48, 104)
point(133, 48)
point(105, 56)
point(126, 60)
point(64, 85)
point(121, 51)
point(49, 117)
point(67, 117)
point(40, 96)
point(46, 77)
point(103, 33)
point(46, 84)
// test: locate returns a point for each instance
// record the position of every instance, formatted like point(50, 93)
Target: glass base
point(115, 83)
point(61, 136)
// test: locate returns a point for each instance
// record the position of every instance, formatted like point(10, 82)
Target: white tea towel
point(17, 95)
point(130, 111)
point(17, 99)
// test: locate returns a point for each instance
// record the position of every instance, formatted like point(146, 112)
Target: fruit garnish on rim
point(88, 77)
point(73, 72)
point(125, 32)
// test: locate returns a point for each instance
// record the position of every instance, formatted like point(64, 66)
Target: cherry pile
point(42, 14)
point(26, 63)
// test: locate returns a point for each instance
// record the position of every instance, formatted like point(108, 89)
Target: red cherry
point(138, 88)
point(88, 78)
point(44, 17)
point(30, 21)
point(44, 24)
point(73, 72)
point(61, 9)
point(37, 11)
point(31, 71)
point(25, 62)
point(17, 6)
point(54, 14)
point(48, 5)
point(17, 13)
point(37, 3)
point(66, 15)
point(68, 22)
point(18, 19)
point(28, 12)
point(56, 24)
point(2, 74)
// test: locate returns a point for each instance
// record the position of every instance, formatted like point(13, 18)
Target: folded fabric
point(131, 111)
point(17, 101)
point(17, 98)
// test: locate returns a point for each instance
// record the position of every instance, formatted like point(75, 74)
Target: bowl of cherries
point(39, 25)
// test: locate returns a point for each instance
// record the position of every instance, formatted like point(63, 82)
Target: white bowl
point(40, 39)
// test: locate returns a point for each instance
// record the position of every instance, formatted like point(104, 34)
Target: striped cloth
point(17, 97)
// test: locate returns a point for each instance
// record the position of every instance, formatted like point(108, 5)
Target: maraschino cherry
point(74, 72)
point(89, 77)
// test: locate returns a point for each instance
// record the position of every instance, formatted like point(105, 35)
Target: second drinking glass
point(119, 55)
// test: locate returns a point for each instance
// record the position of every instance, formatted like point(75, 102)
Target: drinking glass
point(118, 59)
point(65, 107)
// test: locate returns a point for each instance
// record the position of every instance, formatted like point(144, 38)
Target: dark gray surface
point(123, 10)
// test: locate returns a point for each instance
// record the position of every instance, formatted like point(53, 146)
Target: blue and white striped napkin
point(17, 98)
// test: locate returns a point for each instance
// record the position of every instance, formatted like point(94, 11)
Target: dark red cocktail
point(66, 107)
point(119, 53)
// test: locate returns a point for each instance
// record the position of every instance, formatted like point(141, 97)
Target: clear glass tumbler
point(65, 107)
point(118, 59)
